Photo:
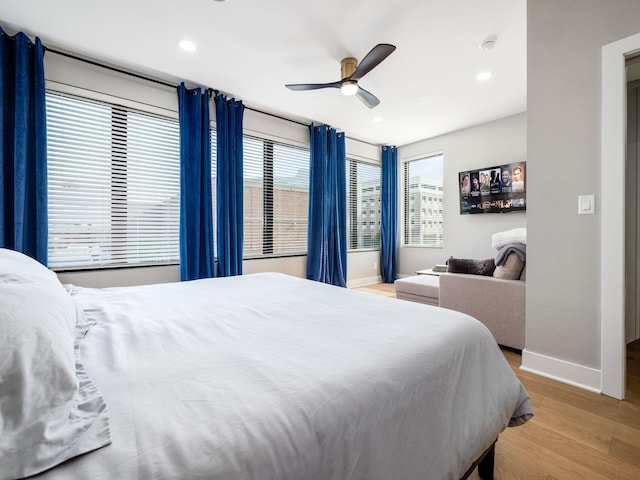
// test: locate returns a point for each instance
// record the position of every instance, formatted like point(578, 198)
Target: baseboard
point(562, 371)
point(404, 275)
point(360, 282)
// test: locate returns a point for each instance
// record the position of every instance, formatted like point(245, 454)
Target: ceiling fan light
point(349, 88)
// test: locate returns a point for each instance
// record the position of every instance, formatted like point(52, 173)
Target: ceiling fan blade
point(372, 59)
point(312, 86)
point(368, 98)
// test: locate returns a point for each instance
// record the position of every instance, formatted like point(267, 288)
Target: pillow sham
point(470, 266)
point(49, 411)
point(11, 260)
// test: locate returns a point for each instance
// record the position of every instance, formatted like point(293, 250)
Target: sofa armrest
point(496, 302)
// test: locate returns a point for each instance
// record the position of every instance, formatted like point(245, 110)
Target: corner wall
point(564, 58)
point(467, 236)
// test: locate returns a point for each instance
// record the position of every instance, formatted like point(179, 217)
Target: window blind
point(276, 198)
point(113, 185)
point(423, 205)
point(364, 193)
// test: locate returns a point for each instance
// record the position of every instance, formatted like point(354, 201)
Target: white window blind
point(113, 183)
point(276, 198)
point(364, 193)
point(423, 206)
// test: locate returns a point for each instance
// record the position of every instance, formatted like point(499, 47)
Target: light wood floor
point(574, 434)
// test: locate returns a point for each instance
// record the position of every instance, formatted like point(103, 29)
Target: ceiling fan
point(351, 72)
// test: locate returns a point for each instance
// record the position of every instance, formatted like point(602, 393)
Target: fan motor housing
point(348, 66)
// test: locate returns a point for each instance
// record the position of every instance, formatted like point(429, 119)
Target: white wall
point(564, 51)
point(467, 236)
point(71, 76)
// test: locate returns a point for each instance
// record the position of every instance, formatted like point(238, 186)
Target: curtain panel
point(327, 234)
point(229, 185)
point(389, 215)
point(197, 255)
point(23, 149)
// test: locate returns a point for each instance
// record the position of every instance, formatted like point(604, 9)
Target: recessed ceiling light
point(187, 45)
point(484, 76)
point(488, 44)
point(376, 119)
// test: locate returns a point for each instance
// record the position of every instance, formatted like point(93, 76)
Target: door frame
point(612, 255)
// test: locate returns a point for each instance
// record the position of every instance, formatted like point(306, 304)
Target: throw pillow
point(510, 269)
point(473, 267)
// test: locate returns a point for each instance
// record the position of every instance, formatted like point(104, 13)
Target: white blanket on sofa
point(516, 235)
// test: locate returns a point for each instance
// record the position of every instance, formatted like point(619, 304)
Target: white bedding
point(268, 376)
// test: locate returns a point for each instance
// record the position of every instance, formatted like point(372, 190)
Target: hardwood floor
point(574, 434)
point(386, 289)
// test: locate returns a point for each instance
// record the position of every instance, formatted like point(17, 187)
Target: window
point(276, 198)
point(363, 187)
point(113, 185)
point(422, 179)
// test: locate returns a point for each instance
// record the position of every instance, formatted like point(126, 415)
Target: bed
point(262, 376)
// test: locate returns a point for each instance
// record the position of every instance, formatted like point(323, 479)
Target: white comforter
point(268, 376)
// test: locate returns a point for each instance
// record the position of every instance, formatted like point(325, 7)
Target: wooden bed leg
point(485, 467)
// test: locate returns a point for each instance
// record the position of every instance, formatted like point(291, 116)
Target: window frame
point(268, 196)
point(354, 216)
point(120, 108)
point(408, 203)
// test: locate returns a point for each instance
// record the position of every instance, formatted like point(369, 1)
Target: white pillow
point(11, 260)
point(46, 416)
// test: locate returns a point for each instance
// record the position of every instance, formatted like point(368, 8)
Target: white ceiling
point(250, 49)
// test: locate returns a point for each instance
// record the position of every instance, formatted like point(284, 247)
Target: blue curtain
point(327, 234)
point(197, 259)
point(229, 204)
point(23, 149)
point(389, 215)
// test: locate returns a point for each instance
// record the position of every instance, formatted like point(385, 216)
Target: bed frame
point(485, 464)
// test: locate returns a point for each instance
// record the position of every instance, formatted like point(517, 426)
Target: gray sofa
point(496, 302)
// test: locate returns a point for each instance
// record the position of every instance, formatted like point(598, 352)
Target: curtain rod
point(109, 67)
point(170, 85)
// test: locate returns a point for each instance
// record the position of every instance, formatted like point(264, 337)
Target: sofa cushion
point(496, 302)
point(510, 269)
point(474, 267)
point(422, 285)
